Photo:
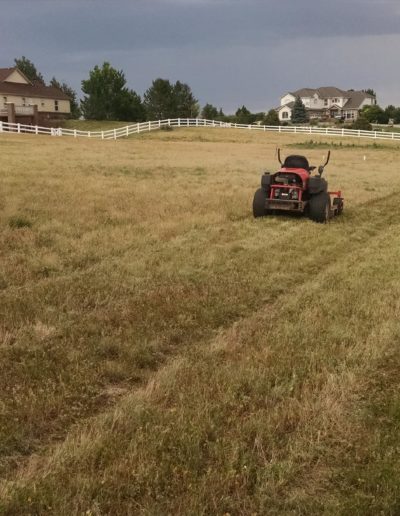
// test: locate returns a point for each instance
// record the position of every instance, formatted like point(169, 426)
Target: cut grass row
point(142, 251)
point(279, 407)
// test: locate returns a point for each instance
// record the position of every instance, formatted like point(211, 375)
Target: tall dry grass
point(165, 353)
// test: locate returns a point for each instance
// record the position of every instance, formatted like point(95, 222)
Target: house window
point(23, 101)
point(56, 105)
point(5, 100)
point(325, 102)
point(285, 114)
point(42, 103)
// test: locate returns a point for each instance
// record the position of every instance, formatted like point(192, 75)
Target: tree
point(159, 100)
point(75, 109)
point(375, 114)
point(210, 112)
point(166, 100)
point(108, 98)
point(396, 117)
point(299, 113)
point(370, 91)
point(244, 116)
point(393, 113)
point(29, 69)
point(271, 118)
point(186, 106)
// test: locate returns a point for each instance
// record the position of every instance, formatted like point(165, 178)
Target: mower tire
point(320, 207)
point(259, 203)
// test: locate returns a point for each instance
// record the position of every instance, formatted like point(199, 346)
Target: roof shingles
point(28, 90)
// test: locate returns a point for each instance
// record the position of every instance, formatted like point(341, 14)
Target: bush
point(362, 124)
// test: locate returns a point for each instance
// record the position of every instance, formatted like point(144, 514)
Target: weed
point(17, 222)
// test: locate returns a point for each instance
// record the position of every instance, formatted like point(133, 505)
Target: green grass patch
point(317, 144)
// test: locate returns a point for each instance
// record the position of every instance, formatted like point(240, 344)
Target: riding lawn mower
point(294, 189)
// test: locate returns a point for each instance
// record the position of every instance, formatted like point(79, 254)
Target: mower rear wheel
point(320, 207)
point(259, 200)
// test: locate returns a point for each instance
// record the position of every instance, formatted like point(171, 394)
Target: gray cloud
point(230, 51)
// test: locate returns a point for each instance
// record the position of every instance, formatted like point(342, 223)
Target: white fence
point(123, 132)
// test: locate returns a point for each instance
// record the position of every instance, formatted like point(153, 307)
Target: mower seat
point(295, 161)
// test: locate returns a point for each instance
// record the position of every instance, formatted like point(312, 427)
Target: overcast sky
point(231, 52)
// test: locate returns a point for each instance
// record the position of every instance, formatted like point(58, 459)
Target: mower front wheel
point(259, 201)
point(320, 207)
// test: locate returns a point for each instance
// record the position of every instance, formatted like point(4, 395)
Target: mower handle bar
point(320, 168)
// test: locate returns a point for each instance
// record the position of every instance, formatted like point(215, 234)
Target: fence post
point(375, 135)
point(342, 131)
point(127, 131)
point(102, 135)
point(89, 134)
point(19, 128)
point(159, 124)
point(149, 126)
point(179, 122)
point(1, 126)
point(74, 133)
point(115, 134)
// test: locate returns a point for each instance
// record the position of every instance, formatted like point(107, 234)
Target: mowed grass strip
point(139, 250)
point(281, 413)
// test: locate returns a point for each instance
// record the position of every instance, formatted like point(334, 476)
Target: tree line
point(107, 97)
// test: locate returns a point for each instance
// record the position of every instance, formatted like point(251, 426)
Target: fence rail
point(123, 132)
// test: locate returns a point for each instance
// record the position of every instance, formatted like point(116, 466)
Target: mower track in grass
point(87, 322)
point(271, 418)
point(347, 256)
point(78, 393)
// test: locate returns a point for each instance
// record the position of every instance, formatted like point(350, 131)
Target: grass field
point(162, 352)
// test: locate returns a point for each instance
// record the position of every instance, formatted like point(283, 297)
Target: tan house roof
point(356, 99)
point(28, 90)
point(323, 92)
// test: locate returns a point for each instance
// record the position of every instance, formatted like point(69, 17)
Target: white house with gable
point(326, 102)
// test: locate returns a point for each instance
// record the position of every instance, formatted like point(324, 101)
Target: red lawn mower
point(294, 189)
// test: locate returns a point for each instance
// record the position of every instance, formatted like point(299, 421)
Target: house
point(326, 102)
point(28, 102)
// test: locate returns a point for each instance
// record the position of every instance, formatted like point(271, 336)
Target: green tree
point(221, 115)
point(210, 112)
point(108, 98)
point(393, 113)
point(271, 118)
point(29, 69)
point(299, 113)
point(375, 114)
point(244, 116)
point(75, 109)
point(370, 91)
point(186, 106)
point(396, 117)
point(159, 100)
